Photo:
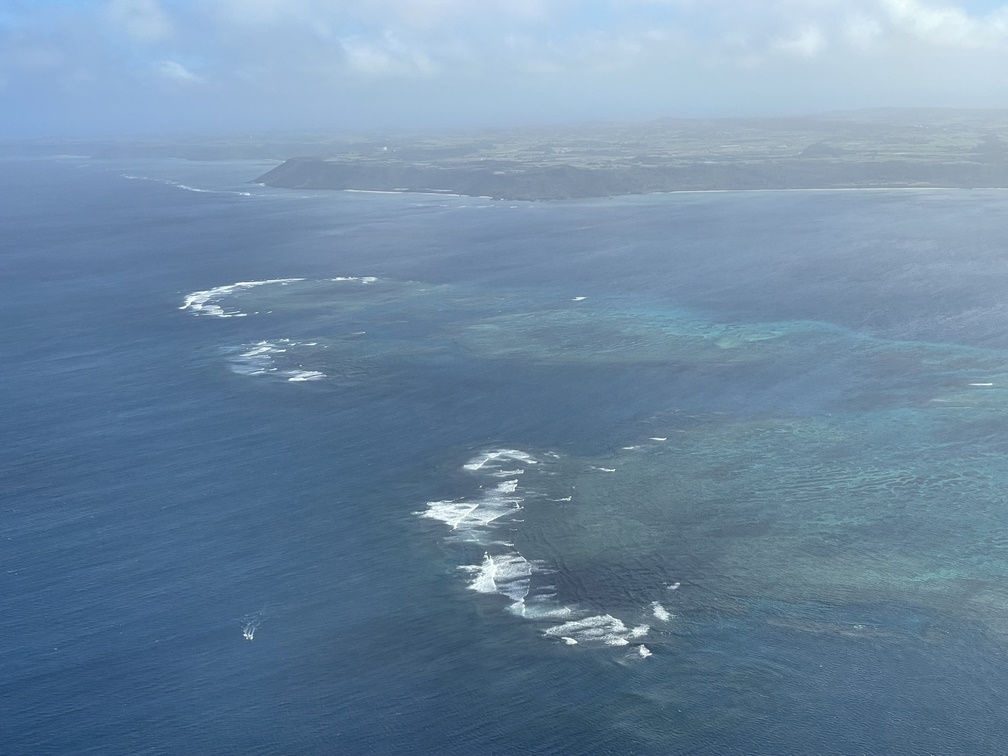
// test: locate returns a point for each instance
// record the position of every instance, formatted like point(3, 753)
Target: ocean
point(346, 472)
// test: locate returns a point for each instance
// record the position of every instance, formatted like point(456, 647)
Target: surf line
point(504, 571)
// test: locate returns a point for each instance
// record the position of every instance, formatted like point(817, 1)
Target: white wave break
point(261, 358)
point(207, 302)
point(487, 520)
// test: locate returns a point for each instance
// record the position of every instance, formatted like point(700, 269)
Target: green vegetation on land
point(911, 148)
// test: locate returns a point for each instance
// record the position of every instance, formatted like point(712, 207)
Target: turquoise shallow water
point(708, 473)
point(827, 465)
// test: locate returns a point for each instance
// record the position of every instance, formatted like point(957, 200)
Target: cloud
point(38, 57)
point(141, 20)
point(386, 56)
point(806, 43)
point(947, 25)
point(174, 71)
point(403, 60)
point(862, 31)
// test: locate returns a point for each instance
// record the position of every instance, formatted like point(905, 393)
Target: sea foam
point(298, 376)
point(475, 515)
point(599, 630)
point(207, 302)
point(478, 462)
point(185, 187)
point(494, 507)
point(507, 574)
point(359, 279)
point(660, 612)
point(261, 358)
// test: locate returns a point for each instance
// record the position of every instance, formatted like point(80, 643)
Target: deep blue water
point(811, 386)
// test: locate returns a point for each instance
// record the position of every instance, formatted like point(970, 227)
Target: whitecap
point(514, 455)
point(191, 188)
point(660, 612)
point(476, 515)
point(541, 608)
point(479, 519)
point(260, 358)
point(250, 623)
point(207, 301)
point(451, 513)
point(263, 347)
point(359, 279)
point(306, 375)
point(255, 359)
point(506, 574)
point(602, 629)
point(508, 486)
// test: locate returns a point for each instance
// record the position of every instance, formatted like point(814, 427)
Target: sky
point(129, 67)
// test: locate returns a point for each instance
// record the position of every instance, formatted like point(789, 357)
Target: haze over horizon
point(89, 67)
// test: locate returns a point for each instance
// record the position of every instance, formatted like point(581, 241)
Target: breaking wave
point(211, 301)
point(488, 519)
point(186, 187)
point(250, 623)
point(276, 359)
point(208, 301)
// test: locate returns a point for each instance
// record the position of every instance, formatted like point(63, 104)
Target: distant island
point(854, 150)
point(892, 148)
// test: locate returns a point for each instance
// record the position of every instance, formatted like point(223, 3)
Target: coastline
point(570, 182)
